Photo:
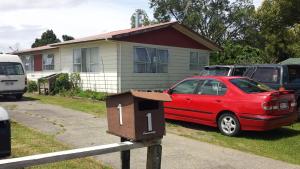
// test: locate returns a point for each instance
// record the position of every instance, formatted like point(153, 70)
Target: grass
point(280, 144)
point(27, 141)
point(96, 108)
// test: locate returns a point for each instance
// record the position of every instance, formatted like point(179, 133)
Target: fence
point(153, 155)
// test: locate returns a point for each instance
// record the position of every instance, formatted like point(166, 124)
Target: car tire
point(19, 96)
point(229, 124)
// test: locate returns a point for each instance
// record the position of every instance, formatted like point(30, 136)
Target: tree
point(47, 37)
point(219, 20)
point(67, 37)
point(279, 25)
point(143, 18)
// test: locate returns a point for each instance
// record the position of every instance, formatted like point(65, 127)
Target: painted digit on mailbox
point(120, 114)
point(149, 117)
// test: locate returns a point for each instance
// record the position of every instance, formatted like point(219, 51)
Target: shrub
point(75, 80)
point(32, 86)
point(62, 83)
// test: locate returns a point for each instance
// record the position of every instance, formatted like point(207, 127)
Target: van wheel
point(228, 124)
point(19, 96)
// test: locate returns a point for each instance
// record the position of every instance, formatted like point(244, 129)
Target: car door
point(181, 95)
point(210, 97)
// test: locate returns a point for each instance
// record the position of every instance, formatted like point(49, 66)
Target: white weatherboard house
point(150, 57)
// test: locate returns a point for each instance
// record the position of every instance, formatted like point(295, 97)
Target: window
point(215, 71)
point(294, 73)
point(239, 71)
point(186, 87)
point(198, 60)
point(250, 86)
point(150, 60)
point(11, 68)
point(212, 87)
point(86, 60)
point(267, 75)
point(48, 62)
point(28, 62)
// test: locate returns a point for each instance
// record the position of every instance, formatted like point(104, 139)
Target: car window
point(212, 87)
point(294, 73)
point(215, 71)
point(239, 71)
point(250, 86)
point(10, 68)
point(267, 75)
point(185, 87)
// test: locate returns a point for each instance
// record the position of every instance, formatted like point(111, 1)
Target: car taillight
point(294, 103)
point(25, 80)
point(269, 106)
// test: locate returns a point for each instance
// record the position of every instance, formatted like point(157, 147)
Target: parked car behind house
point(224, 70)
point(276, 76)
point(231, 104)
point(12, 76)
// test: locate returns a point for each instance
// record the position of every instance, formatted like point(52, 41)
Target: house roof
point(291, 61)
point(116, 35)
point(46, 47)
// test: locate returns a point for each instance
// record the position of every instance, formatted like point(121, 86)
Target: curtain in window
point(48, 62)
point(28, 63)
point(86, 60)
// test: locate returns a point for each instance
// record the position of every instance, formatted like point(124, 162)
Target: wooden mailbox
point(136, 115)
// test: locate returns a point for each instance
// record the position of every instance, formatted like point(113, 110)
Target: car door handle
point(218, 101)
point(188, 99)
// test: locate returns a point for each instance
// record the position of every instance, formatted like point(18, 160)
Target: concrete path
point(80, 130)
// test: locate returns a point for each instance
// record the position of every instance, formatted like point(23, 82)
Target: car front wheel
point(228, 124)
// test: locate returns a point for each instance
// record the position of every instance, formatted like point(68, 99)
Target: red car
point(231, 104)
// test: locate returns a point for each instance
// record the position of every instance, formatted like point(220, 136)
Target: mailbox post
point(138, 116)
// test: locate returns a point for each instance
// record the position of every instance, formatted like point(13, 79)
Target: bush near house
point(32, 86)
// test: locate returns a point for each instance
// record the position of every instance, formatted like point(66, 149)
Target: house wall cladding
point(178, 67)
point(103, 81)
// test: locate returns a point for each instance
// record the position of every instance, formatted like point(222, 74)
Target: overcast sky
point(21, 21)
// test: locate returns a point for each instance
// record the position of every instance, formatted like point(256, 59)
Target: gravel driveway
point(80, 129)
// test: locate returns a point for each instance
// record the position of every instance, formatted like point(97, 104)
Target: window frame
point(31, 64)
point(88, 57)
point(149, 63)
point(198, 65)
point(205, 81)
point(194, 92)
point(45, 65)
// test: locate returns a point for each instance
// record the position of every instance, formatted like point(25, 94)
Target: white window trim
point(46, 55)
point(90, 64)
point(140, 62)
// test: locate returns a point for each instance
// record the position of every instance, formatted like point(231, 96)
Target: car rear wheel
point(228, 124)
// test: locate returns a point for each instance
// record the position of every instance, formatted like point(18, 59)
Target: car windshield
point(250, 86)
point(215, 71)
point(11, 68)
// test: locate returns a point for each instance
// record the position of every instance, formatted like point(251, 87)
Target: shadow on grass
point(13, 99)
point(276, 134)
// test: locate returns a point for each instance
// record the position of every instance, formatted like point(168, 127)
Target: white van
point(13, 79)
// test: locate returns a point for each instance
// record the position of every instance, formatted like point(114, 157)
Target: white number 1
point(149, 117)
point(120, 114)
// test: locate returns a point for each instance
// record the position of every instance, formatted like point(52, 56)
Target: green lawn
point(282, 144)
point(96, 108)
point(27, 141)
